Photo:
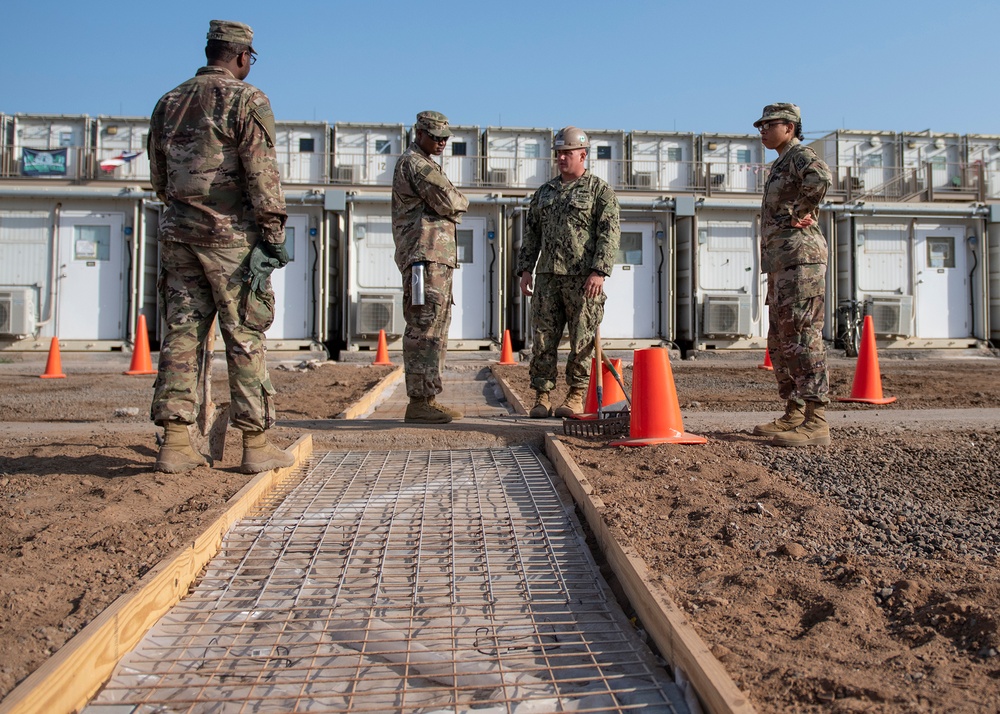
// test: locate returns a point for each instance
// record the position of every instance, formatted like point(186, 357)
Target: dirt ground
point(815, 583)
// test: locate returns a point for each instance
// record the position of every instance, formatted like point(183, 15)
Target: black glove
point(264, 258)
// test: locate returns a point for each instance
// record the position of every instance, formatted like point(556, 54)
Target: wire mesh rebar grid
point(409, 581)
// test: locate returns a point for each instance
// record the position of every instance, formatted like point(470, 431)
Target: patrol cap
point(570, 137)
point(434, 123)
point(780, 111)
point(229, 31)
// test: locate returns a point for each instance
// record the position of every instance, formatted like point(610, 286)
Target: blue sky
point(671, 66)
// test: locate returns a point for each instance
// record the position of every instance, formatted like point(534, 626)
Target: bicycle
point(850, 320)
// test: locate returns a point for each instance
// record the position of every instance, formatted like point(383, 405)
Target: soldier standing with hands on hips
point(222, 232)
point(426, 208)
point(572, 232)
point(794, 256)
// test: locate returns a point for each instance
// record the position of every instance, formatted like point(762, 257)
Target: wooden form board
point(666, 623)
point(372, 397)
point(68, 680)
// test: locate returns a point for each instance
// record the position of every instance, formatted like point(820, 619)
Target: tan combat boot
point(259, 455)
point(814, 431)
point(177, 456)
point(573, 404)
point(794, 415)
point(422, 410)
point(453, 413)
point(542, 408)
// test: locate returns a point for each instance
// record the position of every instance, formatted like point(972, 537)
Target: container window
point(459, 148)
point(675, 153)
point(604, 152)
point(307, 145)
point(383, 146)
point(92, 242)
point(941, 252)
point(531, 150)
point(873, 161)
point(630, 249)
point(939, 163)
point(464, 243)
point(743, 156)
point(65, 138)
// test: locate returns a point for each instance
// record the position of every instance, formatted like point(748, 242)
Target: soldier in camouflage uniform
point(573, 233)
point(426, 208)
point(212, 163)
point(794, 256)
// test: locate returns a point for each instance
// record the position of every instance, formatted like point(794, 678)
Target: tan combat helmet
point(570, 137)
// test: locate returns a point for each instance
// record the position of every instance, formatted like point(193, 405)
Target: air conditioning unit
point(891, 315)
point(17, 311)
point(726, 315)
point(642, 179)
point(379, 312)
point(498, 177)
point(345, 174)
point(718, 180)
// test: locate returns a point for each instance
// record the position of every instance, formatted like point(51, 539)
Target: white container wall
point(7, 164)
point(120, 148)
point(982, 155)
point(606, 157)
point(375, 287)
point(631, 310)
point(295, 285)
point(862, 162)
point(517, 158)
point(732, 162)
point(26, 271)
point(730, 289)
point(366, 154)
point(661, 161)
point(939, 153)
point(302, 151)
point(50, 146)
point(461, 160)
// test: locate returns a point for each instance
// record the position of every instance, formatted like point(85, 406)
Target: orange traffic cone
point(867, 387)
point(767, 361)
point(656, 414)
point(506, 354)
point(382, 356)
point(53, 367)
point(141, 362)
point(611, 391)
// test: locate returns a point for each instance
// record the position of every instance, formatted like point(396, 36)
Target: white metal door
point(727, 266)
point(941, 283)
point(630, 311)
point(292, 304)
point(92, 280)
point(469, 286)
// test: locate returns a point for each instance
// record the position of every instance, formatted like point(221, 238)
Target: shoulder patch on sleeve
point(260, 110)
point(425, 171)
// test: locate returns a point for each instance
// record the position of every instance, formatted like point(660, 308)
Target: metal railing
point(925, 182)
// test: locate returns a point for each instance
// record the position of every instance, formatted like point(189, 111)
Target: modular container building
point(517, 158)
point(461, 161)
point(731, 163)
point(982, 154)
point(661, 161)
point(120, 148)
point(366, 154)
point(720, 289)
point(303, 151)
point(921, 274)
point(937, 156)
point(606, 156)
point(69, 267)
point(53, 146)
point(7, 164)
point(863, 163)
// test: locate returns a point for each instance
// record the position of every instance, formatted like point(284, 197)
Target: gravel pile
point(908, 500)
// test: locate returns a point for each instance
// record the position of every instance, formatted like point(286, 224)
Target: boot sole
point(177, 468)
point(818, 441)
point(263, 468)
point(758, 431)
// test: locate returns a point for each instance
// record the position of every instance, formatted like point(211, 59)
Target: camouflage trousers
point(558, 302)
point(796, 299)
point(196, 284)
point(425, 339)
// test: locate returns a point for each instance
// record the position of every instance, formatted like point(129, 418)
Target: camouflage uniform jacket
point(212, 162)
point(572, 228)
point(425, 210)
point(796, 185)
